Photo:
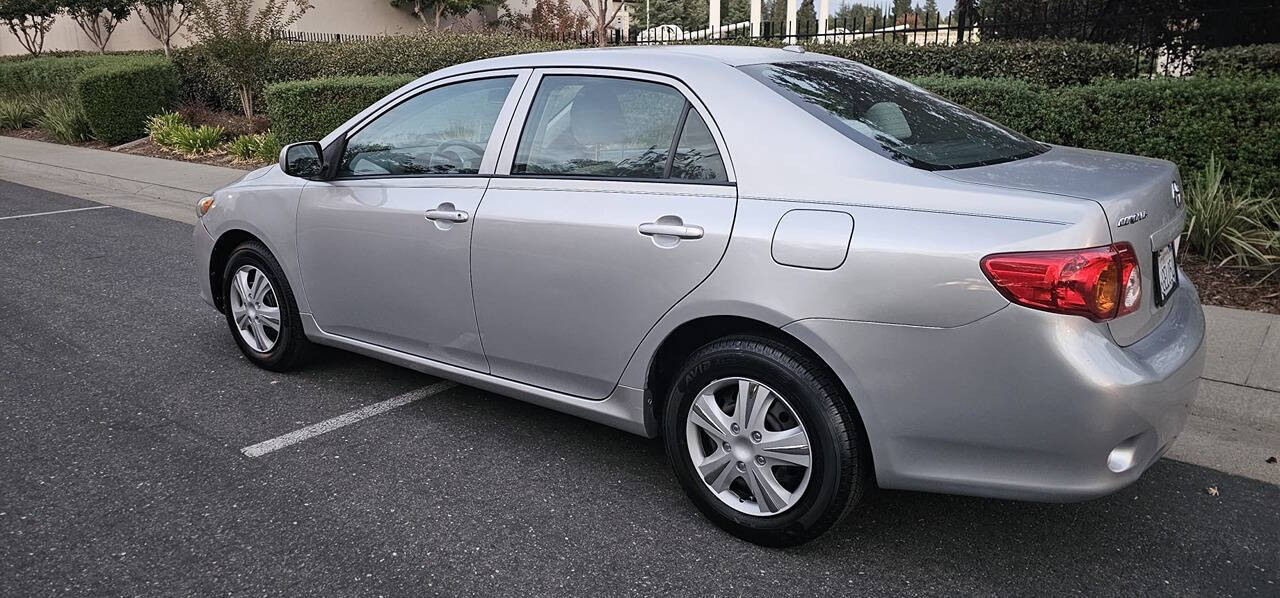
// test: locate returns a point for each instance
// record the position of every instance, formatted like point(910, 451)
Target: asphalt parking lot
point(124, 406)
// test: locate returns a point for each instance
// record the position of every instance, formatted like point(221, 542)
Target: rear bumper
point(1021, 404)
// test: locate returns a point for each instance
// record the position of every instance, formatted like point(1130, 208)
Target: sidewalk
point(165, 188)
point(1234, 425)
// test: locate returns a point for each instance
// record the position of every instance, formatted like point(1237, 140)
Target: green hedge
point(417, 54)
point(1051, 63)
point(118, 98)
point(1181, 120)
point(309, 110)
point(48, 75)
point(1247, 61)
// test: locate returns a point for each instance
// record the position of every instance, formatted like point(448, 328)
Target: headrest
point(595, 117)
point(888, 118)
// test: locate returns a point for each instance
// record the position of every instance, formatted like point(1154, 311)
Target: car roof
point(656, 58)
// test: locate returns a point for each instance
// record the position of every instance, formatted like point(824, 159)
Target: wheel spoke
point(270, 317)
point(261, 287)
point(706, 414)
point(260, 335)
point(242, 286)
point(718, 470)
point(788, 447)
point(757, 407)
point(770, 495)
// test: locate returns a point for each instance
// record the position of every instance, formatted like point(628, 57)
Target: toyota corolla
point(805, 275)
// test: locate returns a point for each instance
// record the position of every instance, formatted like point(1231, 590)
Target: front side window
point(893, 118)
point(590, 126)
point(441, 131)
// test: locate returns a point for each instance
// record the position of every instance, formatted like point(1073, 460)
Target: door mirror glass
point(303, 160)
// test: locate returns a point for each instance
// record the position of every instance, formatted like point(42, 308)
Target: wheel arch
point(222, 248)
point(688, 337)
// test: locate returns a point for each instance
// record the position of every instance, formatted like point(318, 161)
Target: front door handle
point(682, 231)
point(447, 215)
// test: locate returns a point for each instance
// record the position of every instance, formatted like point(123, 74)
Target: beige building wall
point(327, 16)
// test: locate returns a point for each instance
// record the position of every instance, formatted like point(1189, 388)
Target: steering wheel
point(462, 143)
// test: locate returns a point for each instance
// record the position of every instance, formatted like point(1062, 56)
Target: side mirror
point(304, 160)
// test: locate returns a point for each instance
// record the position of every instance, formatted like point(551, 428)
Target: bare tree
point(163, 19)
point(98, 19)
point(29, 20)
point(599, 11)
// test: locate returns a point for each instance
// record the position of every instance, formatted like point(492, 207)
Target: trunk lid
point(1141, 198)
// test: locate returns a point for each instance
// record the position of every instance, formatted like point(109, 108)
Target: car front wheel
point(762, 440)
point(261, 311)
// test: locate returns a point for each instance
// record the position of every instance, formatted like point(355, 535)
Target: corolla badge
point(1177, 194)
point(1131, 218)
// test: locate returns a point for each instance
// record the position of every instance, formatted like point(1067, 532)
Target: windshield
point(892, 117)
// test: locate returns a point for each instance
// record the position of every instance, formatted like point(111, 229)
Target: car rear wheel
point(261, 310)
point(762, 440)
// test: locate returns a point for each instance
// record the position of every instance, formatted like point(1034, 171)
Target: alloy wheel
point(255, 309)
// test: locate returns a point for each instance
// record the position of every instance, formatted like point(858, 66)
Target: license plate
point(1166, 261)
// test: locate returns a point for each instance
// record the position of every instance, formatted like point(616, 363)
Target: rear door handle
point(447, 215)
point(683, 231)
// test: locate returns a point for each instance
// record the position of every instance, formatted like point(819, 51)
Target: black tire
point(291, 346)
point(840, 466)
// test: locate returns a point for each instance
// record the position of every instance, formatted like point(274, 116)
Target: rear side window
point(894, 118)
point(607, 127)
point(441, 131)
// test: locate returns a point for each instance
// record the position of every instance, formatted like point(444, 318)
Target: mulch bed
point(149, 148)
point(39, 135)
point(1233, 287)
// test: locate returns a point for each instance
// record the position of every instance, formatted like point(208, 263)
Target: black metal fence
point(1164, 41)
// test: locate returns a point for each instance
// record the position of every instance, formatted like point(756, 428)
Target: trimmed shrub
point(49, 75)
point(1052, 63)
point(64, 121)
point(1247, 61)
point(1049, 63)
point(1182, 120)
point(417, 54)
point(306, 110)
point(119, 97)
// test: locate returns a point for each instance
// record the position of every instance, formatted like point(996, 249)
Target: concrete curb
point(164, 188)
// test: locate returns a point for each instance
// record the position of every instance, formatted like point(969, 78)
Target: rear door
point(612, 202)
point(384, 245)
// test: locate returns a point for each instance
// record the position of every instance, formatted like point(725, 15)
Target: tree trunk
point(439, 9)
point(246, 100)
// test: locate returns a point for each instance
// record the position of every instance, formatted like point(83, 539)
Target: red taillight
point(1099, 283)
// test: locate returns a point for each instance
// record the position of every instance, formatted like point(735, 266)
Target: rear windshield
point(892, 117)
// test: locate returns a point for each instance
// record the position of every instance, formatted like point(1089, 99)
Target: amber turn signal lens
point(203, 207)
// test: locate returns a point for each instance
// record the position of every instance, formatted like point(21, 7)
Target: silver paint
point(560, 292)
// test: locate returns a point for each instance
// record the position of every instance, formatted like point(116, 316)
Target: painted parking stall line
point(53, 212)
point(346, 419)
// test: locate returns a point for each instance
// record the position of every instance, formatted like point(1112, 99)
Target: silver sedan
point(805, 275)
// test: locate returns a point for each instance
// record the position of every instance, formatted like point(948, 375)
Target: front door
point(384, 245)
point(617, 204)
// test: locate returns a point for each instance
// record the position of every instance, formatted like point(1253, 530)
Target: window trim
point(492, 149)
point(520, 121)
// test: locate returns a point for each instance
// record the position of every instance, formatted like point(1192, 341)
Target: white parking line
point(345, 419)
point(53, 212)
